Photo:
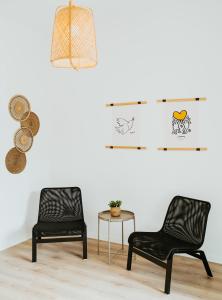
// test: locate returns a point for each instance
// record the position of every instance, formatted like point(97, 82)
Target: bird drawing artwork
point(122, 126)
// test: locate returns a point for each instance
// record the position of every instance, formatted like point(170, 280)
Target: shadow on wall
point(24, 232)
point(31, 212)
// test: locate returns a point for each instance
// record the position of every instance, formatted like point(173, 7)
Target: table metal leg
point(98, 236)
point(109, 247)
point(122, 237)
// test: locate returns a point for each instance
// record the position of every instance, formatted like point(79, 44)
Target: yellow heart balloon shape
point(180, 115)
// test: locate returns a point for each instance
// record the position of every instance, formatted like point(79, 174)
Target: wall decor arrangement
point(20, 110)
point(126, 125)
point(181, 124)
point(74, 38)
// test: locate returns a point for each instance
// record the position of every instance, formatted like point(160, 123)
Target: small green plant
point(116, 203)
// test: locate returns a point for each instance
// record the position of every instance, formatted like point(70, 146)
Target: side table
point(106, 216)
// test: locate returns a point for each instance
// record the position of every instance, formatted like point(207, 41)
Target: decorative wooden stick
point(126, 147)
point(183, 149)
point(182, 100)
point(126, 103)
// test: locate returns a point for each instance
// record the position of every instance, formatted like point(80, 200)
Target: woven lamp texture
point(74, 40)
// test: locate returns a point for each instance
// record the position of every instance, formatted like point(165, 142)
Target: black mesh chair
point(183, 231)
point(60, 218)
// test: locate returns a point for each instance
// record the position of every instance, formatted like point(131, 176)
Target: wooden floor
point(60, 273)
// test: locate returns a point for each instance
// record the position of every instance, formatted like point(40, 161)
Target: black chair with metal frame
point(183, 231)
point(60, 218)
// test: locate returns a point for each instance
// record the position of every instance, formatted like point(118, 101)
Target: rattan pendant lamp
point(74, 40)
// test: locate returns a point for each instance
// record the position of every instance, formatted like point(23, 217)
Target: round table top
point(125, 215)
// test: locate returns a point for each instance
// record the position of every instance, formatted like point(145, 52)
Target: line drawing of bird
point(124, 126)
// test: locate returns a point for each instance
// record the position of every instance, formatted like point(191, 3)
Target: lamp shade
point(74, 41)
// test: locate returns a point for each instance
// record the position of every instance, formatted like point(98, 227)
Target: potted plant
point(115, 208)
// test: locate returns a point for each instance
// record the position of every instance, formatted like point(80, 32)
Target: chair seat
point(159, 244)
point(59, 228)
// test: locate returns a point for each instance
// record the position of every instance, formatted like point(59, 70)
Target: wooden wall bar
point(182, 100)
point(126, 103)
point(126, 147)
point(183, 149)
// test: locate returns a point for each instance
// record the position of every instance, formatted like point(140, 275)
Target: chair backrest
point(60, 205)
point(186, 219)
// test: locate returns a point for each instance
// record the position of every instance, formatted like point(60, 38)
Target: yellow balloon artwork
point(181, 123)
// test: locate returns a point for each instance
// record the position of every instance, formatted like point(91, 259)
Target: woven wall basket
point(23, 139)
point(15, 161)
point(19, 107)
point(32, 123)
point(74, 40)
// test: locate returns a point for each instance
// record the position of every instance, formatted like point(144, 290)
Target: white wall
point(147, 49)
point(21, 73)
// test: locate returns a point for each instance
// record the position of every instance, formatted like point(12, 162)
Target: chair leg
point(129, 259)
point(168, 274)
point(205, 262)
point(34, 248)
point(85, 245)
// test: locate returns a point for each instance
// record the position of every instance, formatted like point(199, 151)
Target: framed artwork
point(180, 119)
point(125, 125)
